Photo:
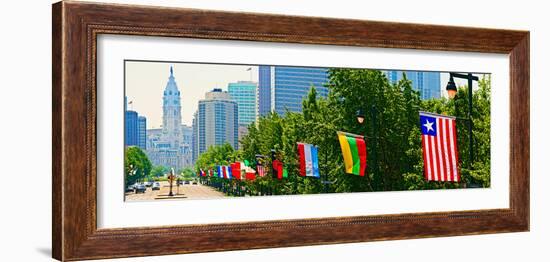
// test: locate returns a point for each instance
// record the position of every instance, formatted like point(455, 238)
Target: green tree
point(391, 126)
point(187, 174)
point(159, 171)
point(214, 156)
point(136, 165)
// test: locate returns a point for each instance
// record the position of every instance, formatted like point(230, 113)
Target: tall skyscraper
point(264, 90)
point(244, 93)
point(216, 121)
point(288, 86)
point(195, 138)
point(427, 83)
point(142, 132)
point(130, 128)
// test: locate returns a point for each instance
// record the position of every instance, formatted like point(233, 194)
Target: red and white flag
point(261, 170)
point(439, 147)
point(236, 170)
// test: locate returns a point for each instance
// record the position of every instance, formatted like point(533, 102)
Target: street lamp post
point(451, 91)
point(326, 182)
point(361, 119)
point(273, 157)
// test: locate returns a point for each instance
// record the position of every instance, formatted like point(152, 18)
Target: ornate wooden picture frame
point(76, 26)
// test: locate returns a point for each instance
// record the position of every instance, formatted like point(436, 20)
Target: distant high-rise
point(195, 138)
point(288, 86)
point(131, 128)
point(264, 90)
point(216, 121)
point(244, 93)
point(427, 83)
point(187, 146)
point(142, 132)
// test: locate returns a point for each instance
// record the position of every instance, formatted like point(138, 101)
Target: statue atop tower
point(171, 118)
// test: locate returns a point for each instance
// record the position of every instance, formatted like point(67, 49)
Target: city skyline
point(284, 87)
point(145, 82)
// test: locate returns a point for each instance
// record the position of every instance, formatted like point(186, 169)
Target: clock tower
point(171, 118)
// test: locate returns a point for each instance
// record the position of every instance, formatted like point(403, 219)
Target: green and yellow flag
point(354, 151)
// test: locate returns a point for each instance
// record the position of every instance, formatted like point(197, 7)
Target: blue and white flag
point(309, 160)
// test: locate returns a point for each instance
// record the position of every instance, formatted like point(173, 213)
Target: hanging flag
point(249, 173)
point(236, 170)
point(439, 147)
point(280, 171)
point(277, 169)
point(354, 151)
point(202, 172)
point(210, 172)
point(261, 170)
point(309, 160)
point(220, 172)
point(245, 169)
point(227, 172)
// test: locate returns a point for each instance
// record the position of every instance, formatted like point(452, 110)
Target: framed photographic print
point(241, 131)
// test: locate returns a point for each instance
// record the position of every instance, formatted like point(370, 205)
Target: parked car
point(194, 182)
point(140, 188)
point(155, 186)
point(148, 183)
point(187, 182)
point(130, 188)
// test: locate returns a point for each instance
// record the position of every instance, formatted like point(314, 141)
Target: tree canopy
point(391, 128)
point(136, 165)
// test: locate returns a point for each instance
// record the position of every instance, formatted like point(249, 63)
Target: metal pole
point(470, 77)
point(271, 189)
point(326, 172)
point(374, 144)
point(470, 131)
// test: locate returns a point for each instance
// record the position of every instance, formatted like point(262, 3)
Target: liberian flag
point(439, 147)
point(354, 151)
point(309, 160)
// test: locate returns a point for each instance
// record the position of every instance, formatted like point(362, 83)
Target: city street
point(186, 191)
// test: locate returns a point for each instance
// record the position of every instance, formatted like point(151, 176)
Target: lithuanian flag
point(354, 150)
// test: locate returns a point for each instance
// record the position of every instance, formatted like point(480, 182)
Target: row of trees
point(394, 132)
